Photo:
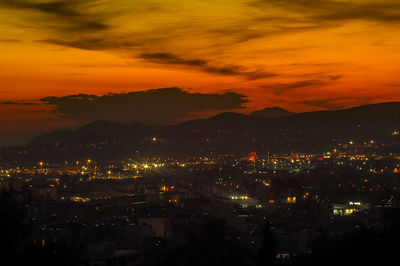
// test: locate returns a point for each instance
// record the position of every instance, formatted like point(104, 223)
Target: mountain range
point(278, 131)
point(272, 112)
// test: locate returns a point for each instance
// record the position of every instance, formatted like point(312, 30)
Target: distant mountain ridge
point(272, 112)
point(225, 133)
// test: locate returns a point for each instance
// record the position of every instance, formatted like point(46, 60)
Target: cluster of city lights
point(239, 197)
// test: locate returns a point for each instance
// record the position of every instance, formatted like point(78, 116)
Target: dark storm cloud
point(157, 106)
point(204, 65)
point(286, 87)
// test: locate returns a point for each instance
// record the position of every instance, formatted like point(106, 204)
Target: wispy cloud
point(282, 88)
point(331, 103)
point(92, 43)
point(97, 25)
point(331, 10)
point(204, 65)
point(18, 103)
point(63, 15)
point(324, 103)
point(9, 40)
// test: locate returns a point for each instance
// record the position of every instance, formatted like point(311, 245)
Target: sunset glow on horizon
point(301, 55)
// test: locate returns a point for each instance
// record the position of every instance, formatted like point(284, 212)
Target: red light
point(307, 159)
point(321, 159)
point(252, 157)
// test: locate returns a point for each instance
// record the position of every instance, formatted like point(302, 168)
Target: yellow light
point(291, 200)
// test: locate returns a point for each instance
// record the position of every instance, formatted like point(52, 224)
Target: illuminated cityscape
point(199, 133)
point(148, 199)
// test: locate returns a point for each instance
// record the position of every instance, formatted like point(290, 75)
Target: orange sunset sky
point(241, 55)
